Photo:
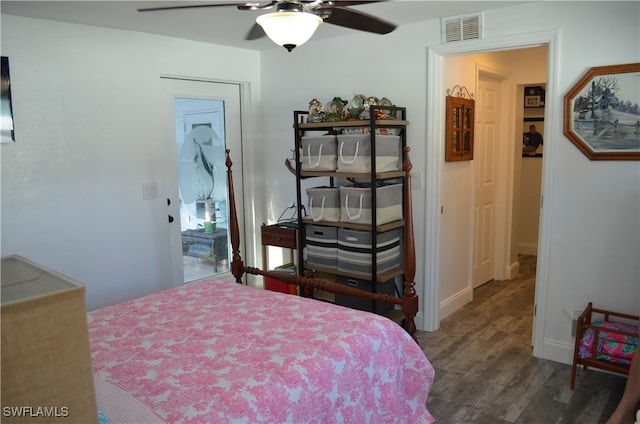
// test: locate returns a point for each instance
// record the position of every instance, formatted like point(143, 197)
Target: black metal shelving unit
point(300, 127)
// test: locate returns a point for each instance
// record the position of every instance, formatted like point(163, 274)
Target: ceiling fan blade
point(187, 6)
point(355, 19)
point(239, 5)
point(344, 3)
point(341, 3)
point(255, 33)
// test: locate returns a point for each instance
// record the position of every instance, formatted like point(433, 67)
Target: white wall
point(457, 203)
point(594, 207)
point(90, 128)
point(529, 206)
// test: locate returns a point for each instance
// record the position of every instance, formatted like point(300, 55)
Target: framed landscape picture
point(602, 113)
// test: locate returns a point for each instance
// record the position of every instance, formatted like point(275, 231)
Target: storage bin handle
point(355, 156)
point(317, 164)
point(346, 207)
point(319, 218)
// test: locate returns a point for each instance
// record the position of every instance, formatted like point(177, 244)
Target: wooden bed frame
point(409, 299)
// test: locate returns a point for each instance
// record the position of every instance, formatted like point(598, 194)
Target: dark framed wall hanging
point(460, 124)
point(534, 96)
point(602, 113)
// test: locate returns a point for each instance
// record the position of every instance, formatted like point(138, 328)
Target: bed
point(217, 351)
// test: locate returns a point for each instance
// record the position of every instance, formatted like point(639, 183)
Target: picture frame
point(532, 145)
point(602, 113)
point(534, 96)
point(532, 101)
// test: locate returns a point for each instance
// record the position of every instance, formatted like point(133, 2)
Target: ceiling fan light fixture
point(289, 29)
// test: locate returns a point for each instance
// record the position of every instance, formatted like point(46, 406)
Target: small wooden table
point(280, 236)
point(285, 236)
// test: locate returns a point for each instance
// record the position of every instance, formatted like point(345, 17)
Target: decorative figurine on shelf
point(372, 101)
point(334, 110)
point(365, 114)
point(386, 113)
point(315, 111)
point(357, 105)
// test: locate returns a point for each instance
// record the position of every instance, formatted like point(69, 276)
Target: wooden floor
point(485, 371)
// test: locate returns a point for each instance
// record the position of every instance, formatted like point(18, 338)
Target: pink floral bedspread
point(215, 351)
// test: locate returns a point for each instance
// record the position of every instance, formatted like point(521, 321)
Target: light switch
point(149, 191)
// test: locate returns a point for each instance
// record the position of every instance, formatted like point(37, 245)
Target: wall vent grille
point(460, 28)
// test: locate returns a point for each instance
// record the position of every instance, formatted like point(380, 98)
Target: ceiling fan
point(295, 21)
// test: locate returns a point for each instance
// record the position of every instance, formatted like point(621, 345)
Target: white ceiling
point(223, 25)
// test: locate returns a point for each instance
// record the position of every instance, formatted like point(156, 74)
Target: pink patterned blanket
point(215, 351)
point(612, 346)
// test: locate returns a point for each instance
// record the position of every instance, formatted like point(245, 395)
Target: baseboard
point(455, 302)
point(513, 270)
point(528, 249)
point(558, 351)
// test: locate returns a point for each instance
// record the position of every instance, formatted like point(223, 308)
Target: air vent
point(460, 28)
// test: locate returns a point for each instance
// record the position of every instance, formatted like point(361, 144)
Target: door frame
point(433, 152)
point(244, 189)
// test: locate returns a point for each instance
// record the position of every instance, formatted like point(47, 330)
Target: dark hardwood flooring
point(486, 373)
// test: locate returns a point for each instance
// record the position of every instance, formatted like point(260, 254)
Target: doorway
point(200, 143)
point(434, 222)
point(205, 121)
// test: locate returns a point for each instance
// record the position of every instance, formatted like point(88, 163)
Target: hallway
point(485, 371)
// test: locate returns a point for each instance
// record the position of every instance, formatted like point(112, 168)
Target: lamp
point(289, 29)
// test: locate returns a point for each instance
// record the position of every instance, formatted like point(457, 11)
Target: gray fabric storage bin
point(319, 153)
point(387, 287)
point(355, 204)
point(324, 204)
point(355, 250)
point(354, 153)
point(322, 246)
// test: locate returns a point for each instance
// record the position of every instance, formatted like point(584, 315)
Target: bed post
point(409, 297)
point(236, 263)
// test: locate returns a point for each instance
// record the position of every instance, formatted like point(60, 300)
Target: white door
point(485, 158)
point(203, 120)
